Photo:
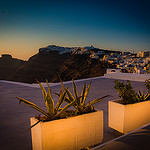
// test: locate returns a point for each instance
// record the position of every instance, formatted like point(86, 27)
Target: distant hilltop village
point(63, 50)
point(126, 61)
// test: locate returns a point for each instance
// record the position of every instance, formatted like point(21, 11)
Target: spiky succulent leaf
point(57, 94)
point(33, 125)
point(75, 90)
point(64, 109)
point(143, 92)
point(49, 105)
point(43, 90)
point(140, 94)
point(96, 100)
point(86, 93)
point(66, 98)
point(32, 105)
point(61, 99)
point(77, 103)
point(49, 91)
point(49, 102)
point(83, 93)
point(146, 96)
point(69, 95)
point(62, 86)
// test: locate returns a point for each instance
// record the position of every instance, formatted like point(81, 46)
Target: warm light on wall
point(125, 118)
point(71, 133)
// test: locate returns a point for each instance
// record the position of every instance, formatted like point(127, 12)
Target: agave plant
point(52, 112)
point(79, 104)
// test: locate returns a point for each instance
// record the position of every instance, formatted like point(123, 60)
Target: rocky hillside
point(9, 66)
point(52, 65)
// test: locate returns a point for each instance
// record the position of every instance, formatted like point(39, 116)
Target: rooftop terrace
point(14, 119)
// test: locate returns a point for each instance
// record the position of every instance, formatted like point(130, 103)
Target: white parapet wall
point(128, 76)
point(68, 134)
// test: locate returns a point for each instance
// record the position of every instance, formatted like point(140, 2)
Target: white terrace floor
point(14, 119)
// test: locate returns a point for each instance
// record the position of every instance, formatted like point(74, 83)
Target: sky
point(27, 25)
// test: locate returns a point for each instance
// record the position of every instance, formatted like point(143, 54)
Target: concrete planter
point(68, 134)
point(125, 118)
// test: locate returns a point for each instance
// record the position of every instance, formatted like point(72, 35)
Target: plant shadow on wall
point(56, 112)
point(127, 93)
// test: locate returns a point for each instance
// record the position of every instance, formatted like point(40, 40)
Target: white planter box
point(125, 118)
point(68, 134)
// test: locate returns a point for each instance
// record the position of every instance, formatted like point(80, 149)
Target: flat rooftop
point(14, 119)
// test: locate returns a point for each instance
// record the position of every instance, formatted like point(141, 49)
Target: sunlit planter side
point(70, 134)
point(125, 118)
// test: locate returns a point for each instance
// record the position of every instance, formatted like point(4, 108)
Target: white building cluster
point(131, 63)
point(63, 50)
point(139, 63)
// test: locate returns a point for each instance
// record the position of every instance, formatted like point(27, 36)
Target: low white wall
point(36, 85)
point(128, 76)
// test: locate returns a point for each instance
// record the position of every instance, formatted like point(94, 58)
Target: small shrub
point(127, 93)
point(147, 84)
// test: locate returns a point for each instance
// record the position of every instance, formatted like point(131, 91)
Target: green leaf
point(33, 125)
point(83, 92)
point(62, 86)
point(97, 100)
point(70, 98)
point(49, 90)
point(66, 98)
point(86, 93)
point(146, 96)
point(77, 105)
point(57, 94)
point(64, 109)
point(49, 105)
point(49, 101)
point(140, 94)
point(61, 99)
point(75, 90)
point(43, 90)
point(33, 106)
point(69, 94)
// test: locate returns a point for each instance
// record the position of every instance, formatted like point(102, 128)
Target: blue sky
point(25, 26)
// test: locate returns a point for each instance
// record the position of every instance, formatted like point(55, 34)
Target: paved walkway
point(136, 140)
point(14, 119)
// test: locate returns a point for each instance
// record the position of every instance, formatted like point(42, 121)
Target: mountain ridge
point(52, 65)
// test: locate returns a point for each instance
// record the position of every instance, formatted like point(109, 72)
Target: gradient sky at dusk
point(25, 26)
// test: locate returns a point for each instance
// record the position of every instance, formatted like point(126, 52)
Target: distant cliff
point(40, 67)
point(51, 65)
point(9, 66)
